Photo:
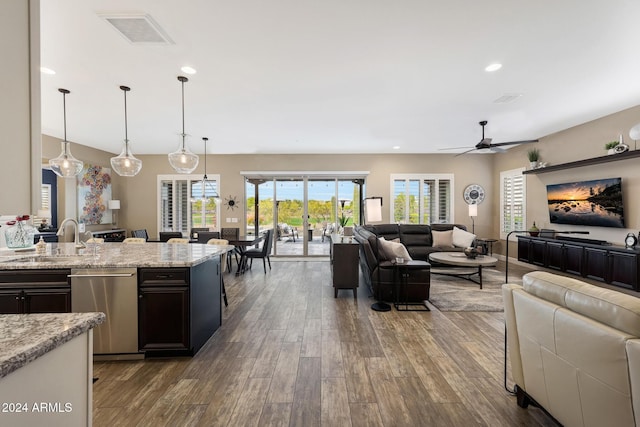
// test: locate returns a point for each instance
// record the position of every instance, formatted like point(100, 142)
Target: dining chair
point(205, 236)
point(178, 240)
point(263, 252)
point(166, 235)
point(140, 233)
point(134, 240)
point(223, 261)
point(232, 233)
point(195, 232)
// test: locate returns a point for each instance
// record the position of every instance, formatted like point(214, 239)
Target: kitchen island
point(159, 299)
point(46, 369)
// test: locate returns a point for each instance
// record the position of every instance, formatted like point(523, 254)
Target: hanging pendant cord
point(64, 113)
point(205, 139)
point(126, 137)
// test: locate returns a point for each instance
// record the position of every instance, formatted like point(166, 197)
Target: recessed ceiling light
point(396, 147)
point(188, 70)
point(46, 70)
point(493, 67)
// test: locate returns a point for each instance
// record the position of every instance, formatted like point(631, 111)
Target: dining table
point(242, 243)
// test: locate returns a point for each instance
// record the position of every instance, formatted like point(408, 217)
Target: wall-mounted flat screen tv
point(595, 203)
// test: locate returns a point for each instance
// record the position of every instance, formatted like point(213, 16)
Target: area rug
point(450, 293)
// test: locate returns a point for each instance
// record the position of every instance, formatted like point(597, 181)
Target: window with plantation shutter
point(421, 199)
point(512, 201)
point(182, 203)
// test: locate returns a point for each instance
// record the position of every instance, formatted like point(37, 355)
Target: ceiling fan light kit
point(183, 160)
point(126, 164)
point(65, 165)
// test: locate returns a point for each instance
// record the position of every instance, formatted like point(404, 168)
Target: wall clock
point(473, 194)
point(231, 202)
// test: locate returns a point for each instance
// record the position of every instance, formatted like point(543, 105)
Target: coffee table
point(457, 264)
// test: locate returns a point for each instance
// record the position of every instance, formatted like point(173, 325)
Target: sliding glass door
point(303, 210)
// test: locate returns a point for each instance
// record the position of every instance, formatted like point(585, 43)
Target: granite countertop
point(25, 337)
point(108, 255)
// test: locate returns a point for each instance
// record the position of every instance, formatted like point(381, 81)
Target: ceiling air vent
point(137, 28)
point(507, 98)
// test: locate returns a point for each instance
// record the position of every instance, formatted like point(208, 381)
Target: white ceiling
point(329, 76)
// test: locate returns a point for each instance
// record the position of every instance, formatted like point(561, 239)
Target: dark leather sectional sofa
point(417, 239)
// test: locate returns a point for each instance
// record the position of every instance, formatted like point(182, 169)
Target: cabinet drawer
point(160, 276)
point(35, 278)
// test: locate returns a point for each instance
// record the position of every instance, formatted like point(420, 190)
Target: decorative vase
point(471, 252)
point(533, 165)
point(534, 231)
point(19, 235)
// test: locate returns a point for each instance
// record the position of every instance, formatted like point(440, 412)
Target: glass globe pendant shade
point(126, 164)
point(183, 160)
point(65, 165)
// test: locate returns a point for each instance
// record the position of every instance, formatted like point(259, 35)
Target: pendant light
point(205, 179)
point(126, 163)
point(183, 160)
point(65, 165)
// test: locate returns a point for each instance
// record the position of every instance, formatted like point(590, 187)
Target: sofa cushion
point(415, 234)
point(393, 250)
point(442, 239)
point(610, 307)
point(461, 238)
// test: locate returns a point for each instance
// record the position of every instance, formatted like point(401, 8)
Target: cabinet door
point(537, 252)
point(164, 318)
point(573, 259)
point(345, 265)
point(555, 255)
point(595, 261)
point(623, 269)
point(47, 300)
point(11, 301)
point(523, 249)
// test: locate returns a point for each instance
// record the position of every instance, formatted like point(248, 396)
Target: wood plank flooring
point(290, 354)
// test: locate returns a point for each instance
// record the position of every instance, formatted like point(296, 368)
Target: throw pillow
point(393, 250)
point(442, 239)
point(461, 238)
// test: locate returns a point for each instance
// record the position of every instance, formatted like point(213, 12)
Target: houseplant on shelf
point(533, 155)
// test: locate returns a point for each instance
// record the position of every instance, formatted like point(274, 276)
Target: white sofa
point(574, 349)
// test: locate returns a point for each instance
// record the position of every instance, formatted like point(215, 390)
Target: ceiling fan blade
point(464, 152)
point(454, 148)
point(495, 149)
point(514, 142)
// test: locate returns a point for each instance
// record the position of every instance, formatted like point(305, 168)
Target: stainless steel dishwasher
point(113, 291)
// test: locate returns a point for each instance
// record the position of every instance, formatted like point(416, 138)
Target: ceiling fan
point(485, 143)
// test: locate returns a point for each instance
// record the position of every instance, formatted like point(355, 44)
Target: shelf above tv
point(586, 162)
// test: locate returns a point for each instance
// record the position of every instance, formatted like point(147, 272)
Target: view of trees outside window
point(421, 199)
point(324, 206)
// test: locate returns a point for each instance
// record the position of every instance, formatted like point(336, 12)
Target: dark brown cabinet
point(35, 291)
point(344, 256)
point(178, 308)
point(607, 263)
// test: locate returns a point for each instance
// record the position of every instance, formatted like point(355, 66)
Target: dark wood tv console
point(608, 263)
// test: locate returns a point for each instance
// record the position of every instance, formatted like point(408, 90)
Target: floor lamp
point(373, 213)
point(473, 212)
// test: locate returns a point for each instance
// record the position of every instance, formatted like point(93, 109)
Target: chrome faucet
point(77, 241)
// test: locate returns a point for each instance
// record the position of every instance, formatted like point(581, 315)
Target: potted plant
point(610, 147)
point(533, 155)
